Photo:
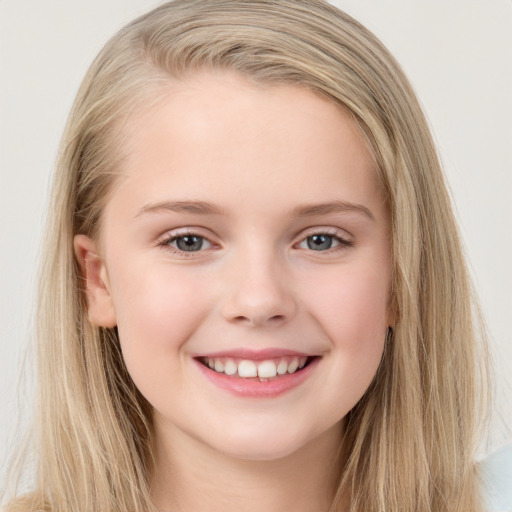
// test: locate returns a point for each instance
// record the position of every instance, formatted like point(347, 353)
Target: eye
point(324, 242)
point(320, 242)
point(187, 242)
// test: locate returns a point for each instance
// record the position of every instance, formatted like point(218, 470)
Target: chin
point(262, 445)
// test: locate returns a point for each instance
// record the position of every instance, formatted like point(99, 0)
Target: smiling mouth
point(264, 370)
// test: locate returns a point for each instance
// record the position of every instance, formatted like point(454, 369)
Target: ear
point(100, 306)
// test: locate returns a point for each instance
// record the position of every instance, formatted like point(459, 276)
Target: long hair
point(411, 440)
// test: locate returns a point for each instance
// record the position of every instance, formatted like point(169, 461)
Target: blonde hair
point(411, 440)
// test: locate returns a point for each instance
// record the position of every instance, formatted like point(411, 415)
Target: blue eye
point(324, 242)
point(319, 242)
point(188, 243)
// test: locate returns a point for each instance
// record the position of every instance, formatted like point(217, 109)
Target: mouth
point(262, 370)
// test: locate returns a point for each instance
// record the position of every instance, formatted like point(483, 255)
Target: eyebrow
point(194, 207)
point(206, 208)
point(331, 207)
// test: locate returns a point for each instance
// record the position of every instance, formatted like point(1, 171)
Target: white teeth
point(230, 368)
point(267, 369)
point(292, 367)
point(282, 367)
point(247, 369)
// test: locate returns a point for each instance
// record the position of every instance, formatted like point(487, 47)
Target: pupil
point(189, 243)
point(319, 242)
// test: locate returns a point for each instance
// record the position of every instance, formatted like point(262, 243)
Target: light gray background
point(457, 53)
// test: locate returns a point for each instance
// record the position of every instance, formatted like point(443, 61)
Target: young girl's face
point(247, 232)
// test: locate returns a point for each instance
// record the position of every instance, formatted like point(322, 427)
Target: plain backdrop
point(456, 53)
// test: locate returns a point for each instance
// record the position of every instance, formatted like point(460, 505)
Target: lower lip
point(256, 388)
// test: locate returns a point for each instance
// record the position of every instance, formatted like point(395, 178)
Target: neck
point(193, 477)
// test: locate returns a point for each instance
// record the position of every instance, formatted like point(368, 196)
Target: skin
point(257, 153)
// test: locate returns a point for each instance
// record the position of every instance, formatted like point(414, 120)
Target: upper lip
point(254, 355)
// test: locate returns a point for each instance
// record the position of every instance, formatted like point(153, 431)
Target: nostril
point(260, 320)
point(277, 319)
point(257, 304)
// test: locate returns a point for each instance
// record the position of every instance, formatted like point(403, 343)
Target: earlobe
point(100, 306)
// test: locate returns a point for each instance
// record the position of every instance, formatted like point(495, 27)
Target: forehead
point(215, 131)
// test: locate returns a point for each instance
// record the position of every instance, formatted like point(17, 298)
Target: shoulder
point(496, 474)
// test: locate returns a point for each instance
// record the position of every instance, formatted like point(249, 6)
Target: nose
point(259, 293)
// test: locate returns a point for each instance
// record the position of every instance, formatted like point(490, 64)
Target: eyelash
point(165, 243)
point(343, 242)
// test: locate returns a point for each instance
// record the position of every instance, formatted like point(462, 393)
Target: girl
point(253, 294)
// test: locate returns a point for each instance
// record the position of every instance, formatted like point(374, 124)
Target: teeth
point(230, 368)
point(267, 369)
point(246, 368)
point(282, 367)
point(292, 367)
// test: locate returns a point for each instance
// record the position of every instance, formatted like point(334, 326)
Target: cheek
point(157, 311)
point(352, 305)
point(351, 308)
